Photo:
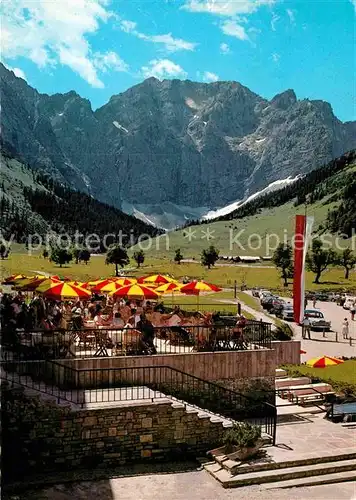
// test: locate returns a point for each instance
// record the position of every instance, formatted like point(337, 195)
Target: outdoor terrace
point(111, 342)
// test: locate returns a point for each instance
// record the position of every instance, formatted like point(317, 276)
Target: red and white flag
point(303, 231)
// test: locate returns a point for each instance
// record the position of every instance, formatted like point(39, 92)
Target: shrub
point(242, 435)
point(283, 331)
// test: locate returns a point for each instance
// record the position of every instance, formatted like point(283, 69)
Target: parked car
point(266, 301)
point(255, 292)
point(264, 293)
point(275, 305)
point(317, 320)
point(286, 312)
point(318, 296)
point(349, 303)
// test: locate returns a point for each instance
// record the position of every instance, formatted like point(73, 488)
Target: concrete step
point(236, 468)
point(279, 475)
point(338, 477)
point(281, 383)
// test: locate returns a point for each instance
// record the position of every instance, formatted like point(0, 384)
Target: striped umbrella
point(30, 285)
point(60, 291)
point(13, 278)
point(101, 284)
point(125, 281)
point(198, 287)
point(111, 287)
point(169, 288)
point(157, 279)
point(324, 361)
point(135, 291)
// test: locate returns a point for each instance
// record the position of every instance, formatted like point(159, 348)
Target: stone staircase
point(91, 399)
point(296, 473)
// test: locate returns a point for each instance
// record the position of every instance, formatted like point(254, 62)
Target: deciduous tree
point(209, 256)
point(117, 255)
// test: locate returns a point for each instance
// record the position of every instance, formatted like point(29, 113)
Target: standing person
point(345, 329)
point(306, 327)
point(353, 312)
point(314, 302)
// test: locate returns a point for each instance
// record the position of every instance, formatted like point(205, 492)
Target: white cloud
point(17, 72)
point(224, 48)
point(127, 26)
point(276, 57)
point(231, 28)
point(291, 15)
point(208, 76)
point(230, 9)
point(353, 3)
point(163, 68)
point(52, 32)
point(109, 60)
point(170, 43)
point(225, 7)
point(274, 21)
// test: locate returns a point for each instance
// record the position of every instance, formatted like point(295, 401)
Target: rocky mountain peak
point(188, 143)
point(284, 100)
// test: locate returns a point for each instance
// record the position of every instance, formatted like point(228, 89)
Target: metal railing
point(86, 387)
point(42, 376)
point(105, 342)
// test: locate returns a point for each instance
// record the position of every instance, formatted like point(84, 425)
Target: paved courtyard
point(312, 436)
point(195, 485)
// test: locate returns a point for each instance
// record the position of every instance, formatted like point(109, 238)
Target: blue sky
point(102, 47)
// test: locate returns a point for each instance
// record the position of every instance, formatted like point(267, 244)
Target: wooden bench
point(310, 398)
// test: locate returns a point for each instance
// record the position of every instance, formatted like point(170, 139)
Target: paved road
point(320, 345)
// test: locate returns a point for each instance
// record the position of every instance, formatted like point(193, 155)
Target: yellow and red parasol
point(324, 361)
point(123, 281)
point(135, 291)
point(59, 291)
point(198, 287)
point(155, 279)
point(13, 278)
point(32, 284)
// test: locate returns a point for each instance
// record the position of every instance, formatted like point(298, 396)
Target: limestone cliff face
point(181, 142)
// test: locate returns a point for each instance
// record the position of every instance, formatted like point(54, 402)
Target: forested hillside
point(334, 182)
point(31, 202)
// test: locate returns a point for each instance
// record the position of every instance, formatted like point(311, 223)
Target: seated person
point(135, 316)
point(148, 334)
point(77, 319)
point(118, 321)
point(98, 319)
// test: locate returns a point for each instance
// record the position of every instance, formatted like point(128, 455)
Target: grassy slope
point(20, 262)
point(278, 221)
point(340, 374)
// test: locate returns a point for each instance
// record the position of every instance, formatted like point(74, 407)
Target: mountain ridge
point(182, 142)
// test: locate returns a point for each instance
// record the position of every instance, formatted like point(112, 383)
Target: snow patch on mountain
point(274, 186)
point(120, 127)
point(191, 104)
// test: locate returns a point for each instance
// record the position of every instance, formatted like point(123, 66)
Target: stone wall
point(218, 366)
point(41, 436)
